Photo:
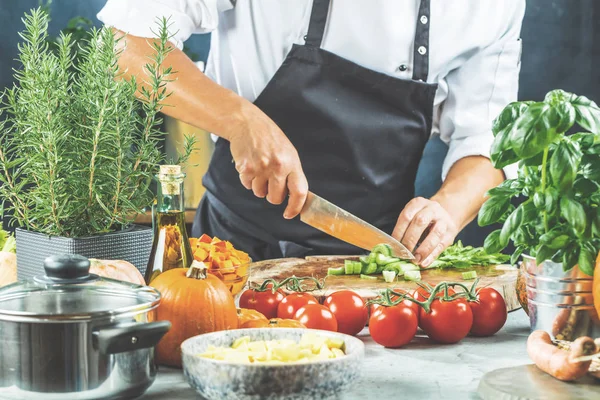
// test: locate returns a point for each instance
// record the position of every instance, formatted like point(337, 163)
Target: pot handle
point(122, 338)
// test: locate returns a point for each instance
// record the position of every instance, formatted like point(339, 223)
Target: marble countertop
point(421, 370)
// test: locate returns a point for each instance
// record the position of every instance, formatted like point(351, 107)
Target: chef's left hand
point(418, 216)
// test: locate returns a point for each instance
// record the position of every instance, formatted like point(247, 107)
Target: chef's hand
point(267, 162)
point(422, 216)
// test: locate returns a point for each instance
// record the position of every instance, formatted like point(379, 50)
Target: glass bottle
point(171, 246)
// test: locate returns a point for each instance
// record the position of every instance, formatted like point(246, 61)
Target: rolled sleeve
point(478, 91)
point(140, 17)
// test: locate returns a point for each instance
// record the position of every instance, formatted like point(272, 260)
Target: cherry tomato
point(393, 326)
point(292, 302)
point(349, 309)
point(265, 302)
point(410, 304)
point(489, 313)
point(316, 316)
point(448, 321)
point(422, 294)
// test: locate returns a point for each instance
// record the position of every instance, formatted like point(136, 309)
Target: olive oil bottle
point(171, 246)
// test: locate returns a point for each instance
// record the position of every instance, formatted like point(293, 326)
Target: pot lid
point(68, 292)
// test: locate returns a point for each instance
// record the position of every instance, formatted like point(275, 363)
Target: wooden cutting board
point(503, 278)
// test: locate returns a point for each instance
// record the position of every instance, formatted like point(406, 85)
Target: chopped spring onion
point(336, 271)
point(389, 276)
point(470, 275)
point(412, 276)
point(368, 277)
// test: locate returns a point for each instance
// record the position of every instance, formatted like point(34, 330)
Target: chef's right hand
point(267, 161)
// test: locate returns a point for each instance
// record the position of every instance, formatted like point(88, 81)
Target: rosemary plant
point(78, 150)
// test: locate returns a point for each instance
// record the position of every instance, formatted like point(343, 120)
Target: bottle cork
point(169, 183)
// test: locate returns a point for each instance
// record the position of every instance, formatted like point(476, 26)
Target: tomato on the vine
point(489, 312)
point(264, 302)
point(448, 321)
point(316, 316)
point(393, 326)
point(423, 294)
point(410, 304)
point(292, 302)
point(349, 309)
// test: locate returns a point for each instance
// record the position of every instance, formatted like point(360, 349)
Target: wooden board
point(503, 278)
point(528, 382)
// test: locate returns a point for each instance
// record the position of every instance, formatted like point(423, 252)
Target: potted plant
point(78, 150)
point(556, 227)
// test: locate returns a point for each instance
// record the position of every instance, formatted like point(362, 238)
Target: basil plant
point(558, 181)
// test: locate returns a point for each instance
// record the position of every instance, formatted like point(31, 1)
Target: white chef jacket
point(474, 53)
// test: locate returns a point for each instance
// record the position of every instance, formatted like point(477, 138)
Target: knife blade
point(339, 223)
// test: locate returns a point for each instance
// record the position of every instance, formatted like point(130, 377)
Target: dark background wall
point(561, 42)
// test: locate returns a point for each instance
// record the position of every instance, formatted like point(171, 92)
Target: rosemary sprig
point(78, 150)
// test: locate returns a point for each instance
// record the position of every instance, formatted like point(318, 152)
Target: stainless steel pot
point(74, 335)
point(560, 303)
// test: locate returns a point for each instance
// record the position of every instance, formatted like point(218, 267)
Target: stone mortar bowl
point(217, 379)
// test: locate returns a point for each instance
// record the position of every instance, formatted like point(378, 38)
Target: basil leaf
point(515, 256)
point(544, 253)
point(590, 167)
point(557, 96)
point(585, 187)
point(587, 255)
point(534, 130)
point(508, 116)
point(492, 210)
point(551, 199)
point(513, 222)
point(596, 224)
point(570, 257)
point(508, 188)
point(587, 114)
point(558, 242)
point(492, 243)
point(574, 213)
point(564, 163)
point(501, 153)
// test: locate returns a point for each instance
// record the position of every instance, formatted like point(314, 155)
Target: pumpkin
point(195, 302)
point(246, 314)
point(273, 323)
point(117, 269)
point(8, 268)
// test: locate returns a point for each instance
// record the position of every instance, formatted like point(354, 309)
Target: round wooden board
point(503, 278)
point(528, 382)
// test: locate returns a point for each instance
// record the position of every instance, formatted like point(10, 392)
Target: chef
point(339, 97)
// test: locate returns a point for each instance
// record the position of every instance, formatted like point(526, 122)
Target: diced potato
point(311, 347)
point(239, 341)
point(334, 343)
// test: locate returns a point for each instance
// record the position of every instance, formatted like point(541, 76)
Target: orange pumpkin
point(195, 302)
point(117, 269)
point(246, 314)
point(273, 323)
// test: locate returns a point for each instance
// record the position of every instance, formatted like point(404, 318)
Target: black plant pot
point(133, 245)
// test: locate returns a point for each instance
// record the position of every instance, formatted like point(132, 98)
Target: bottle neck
point(170, 196)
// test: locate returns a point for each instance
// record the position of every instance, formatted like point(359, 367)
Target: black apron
point(359, 134)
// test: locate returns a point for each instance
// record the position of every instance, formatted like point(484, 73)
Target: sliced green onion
point(406, 267)
point(336, 271)
point(389, 276)
point(470, 275)
point(412, 276)
point(349, 267)
point(383, 248)
point(368, 277)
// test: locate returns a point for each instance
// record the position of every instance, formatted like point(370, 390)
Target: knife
point(331, 219)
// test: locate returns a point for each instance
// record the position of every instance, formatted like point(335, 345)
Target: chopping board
point(528, 382)
point(503, 278)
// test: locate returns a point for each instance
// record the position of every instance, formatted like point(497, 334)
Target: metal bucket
point(560, 303)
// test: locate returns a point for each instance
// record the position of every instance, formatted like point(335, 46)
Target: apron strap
point(421, 52)
point(318, 19)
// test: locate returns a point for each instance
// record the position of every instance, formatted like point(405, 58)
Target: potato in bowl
point(272, 363)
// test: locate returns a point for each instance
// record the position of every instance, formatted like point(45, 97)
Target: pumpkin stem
point(197, 270)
